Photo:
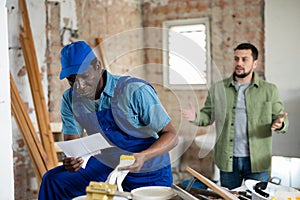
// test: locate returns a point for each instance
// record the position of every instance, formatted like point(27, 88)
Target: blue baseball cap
point(75, 59)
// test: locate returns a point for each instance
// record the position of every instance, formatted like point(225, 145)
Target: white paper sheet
point(84, 147)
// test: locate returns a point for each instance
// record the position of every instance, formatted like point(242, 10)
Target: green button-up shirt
point(263, 107)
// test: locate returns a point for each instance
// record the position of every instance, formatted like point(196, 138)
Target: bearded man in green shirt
point(245, 109)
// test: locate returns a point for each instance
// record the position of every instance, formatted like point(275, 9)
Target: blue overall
point(58, 183)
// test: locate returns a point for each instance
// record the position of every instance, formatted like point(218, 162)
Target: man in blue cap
point(126, 111)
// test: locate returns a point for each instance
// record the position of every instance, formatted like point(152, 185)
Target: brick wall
point(96, 19)
point(231, 22)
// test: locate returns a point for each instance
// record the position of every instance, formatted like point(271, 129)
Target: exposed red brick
point(22, 71)
point(232, 22)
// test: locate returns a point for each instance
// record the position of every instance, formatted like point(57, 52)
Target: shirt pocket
point(260, 112)
point(265, 112)
point(134, 119)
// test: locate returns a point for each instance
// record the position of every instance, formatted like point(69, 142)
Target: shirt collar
point(255, 81)
point(111, 82)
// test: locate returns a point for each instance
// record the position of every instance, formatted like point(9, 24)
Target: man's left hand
point(138, 163)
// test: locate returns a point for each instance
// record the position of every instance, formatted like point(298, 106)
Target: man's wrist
point(282, 126)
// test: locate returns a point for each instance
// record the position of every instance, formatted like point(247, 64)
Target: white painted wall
point(6, 154)
point(37, 17)
point(282, 48)
point(282, 32)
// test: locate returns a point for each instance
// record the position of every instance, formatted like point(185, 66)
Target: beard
point(243, 75)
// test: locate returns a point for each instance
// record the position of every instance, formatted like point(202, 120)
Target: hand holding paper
point(84, 147)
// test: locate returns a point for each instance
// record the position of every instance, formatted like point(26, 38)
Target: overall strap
point(121, 110)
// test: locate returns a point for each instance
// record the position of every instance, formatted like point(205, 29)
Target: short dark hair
point(246, 46)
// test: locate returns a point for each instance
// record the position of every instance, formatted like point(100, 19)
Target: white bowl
point(152, 193)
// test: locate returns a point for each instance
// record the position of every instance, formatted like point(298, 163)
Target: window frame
point(183, 22)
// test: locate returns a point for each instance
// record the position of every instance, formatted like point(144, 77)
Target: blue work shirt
point(144, 107)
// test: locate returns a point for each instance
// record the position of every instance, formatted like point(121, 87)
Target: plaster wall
point(282, 49)
point(25, 183)
point(6, 156)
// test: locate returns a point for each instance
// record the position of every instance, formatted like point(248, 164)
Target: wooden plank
point(219, 190)
point(30, 58)
point(34, 147)
point(102, 53)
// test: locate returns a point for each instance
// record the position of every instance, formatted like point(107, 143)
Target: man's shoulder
point(265, 84)
point(133, 82)
point(67, 96)
point(223, 82)
point(67, 92)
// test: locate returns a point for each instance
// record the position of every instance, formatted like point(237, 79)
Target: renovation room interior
point(129, 36)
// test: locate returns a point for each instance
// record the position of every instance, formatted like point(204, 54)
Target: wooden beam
point(102, 53)
point(219, 190)
point(30, 58)
point(34, 147)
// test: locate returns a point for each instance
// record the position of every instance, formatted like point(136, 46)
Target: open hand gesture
point(279, 122)
point(189, 114)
